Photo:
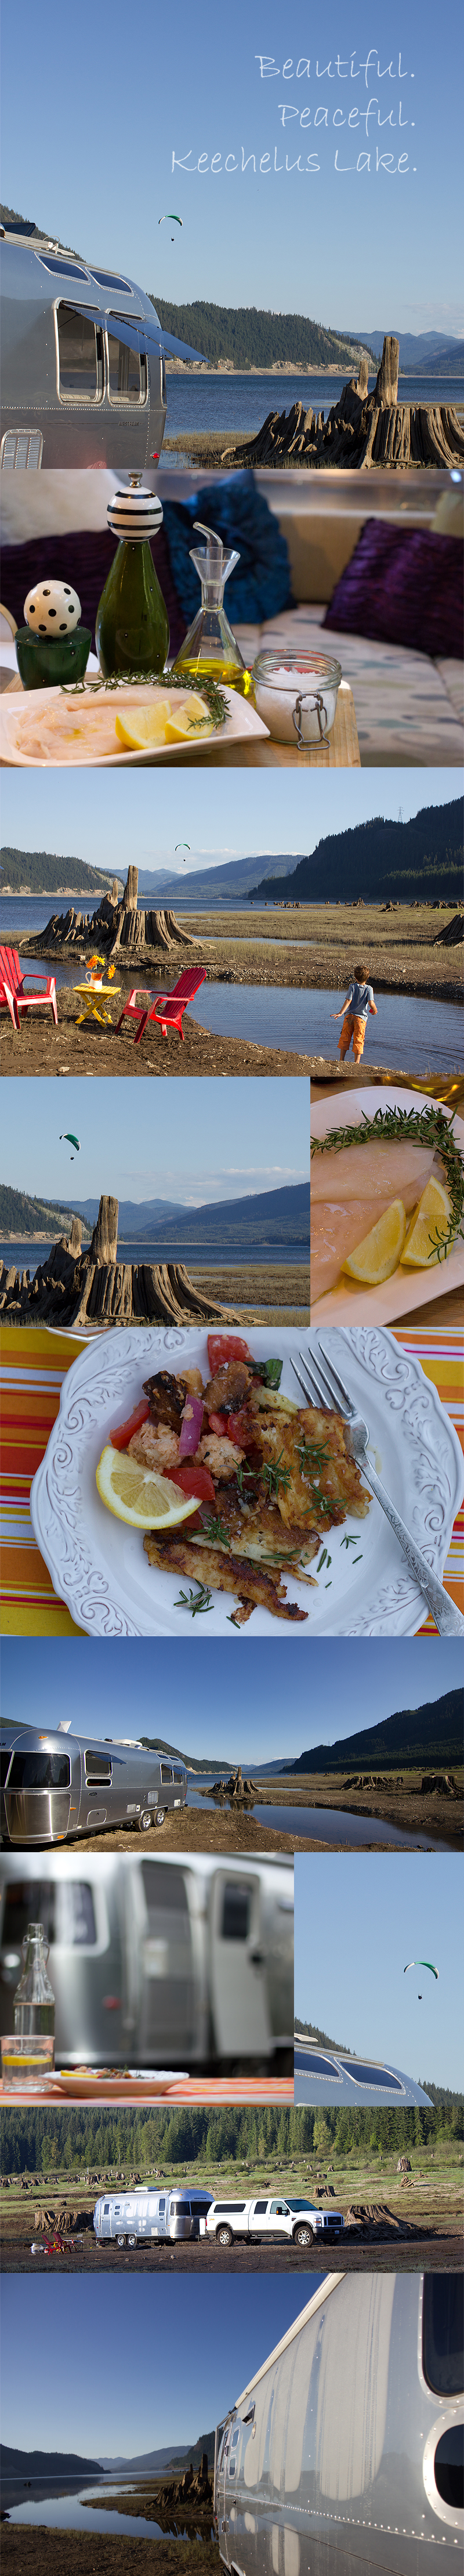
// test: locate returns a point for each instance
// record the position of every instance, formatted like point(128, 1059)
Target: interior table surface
point(341, 752)
point(213, 2090)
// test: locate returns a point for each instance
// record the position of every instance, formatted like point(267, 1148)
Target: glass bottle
point(132, 624)
point(34, 2002)
point(209, 651)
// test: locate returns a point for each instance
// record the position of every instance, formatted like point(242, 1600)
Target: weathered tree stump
point(452, 933)
point(74, 1286)
point(363, 429)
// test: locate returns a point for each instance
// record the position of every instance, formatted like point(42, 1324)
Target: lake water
point(415, 1035)
point(28, 1256)
point(241, 403)
point(325, 1824)
point(72, 2507)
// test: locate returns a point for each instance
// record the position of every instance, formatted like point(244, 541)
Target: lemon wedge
point(137, 1495)
point(377, 1257)
point(428, 1228)
point(142, 725)
point(189, 721)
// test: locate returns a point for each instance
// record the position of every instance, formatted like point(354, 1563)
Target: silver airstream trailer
point(139, 2217)
point(157, 1961)
point(83, 360)
point(336, 2076)
point(344, 2452)
point(54, 1785)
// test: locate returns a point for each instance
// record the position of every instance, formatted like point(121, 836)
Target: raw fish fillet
point(380, 1171)
point(335, 1232)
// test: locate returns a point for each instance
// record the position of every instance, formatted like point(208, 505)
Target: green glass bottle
point(132, 625)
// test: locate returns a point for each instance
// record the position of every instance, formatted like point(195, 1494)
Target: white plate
point(98, 1566)
point(352, 1304)
point(241, 723)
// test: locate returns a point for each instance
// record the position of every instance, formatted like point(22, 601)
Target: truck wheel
point(132, 2240)
point(160, 1815)
point(120, 2240)
point(303, 2236)
point(223, 2235)
point(145, 1821)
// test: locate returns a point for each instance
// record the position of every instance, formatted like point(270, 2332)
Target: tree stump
point(74, 1286)
point(386, 388)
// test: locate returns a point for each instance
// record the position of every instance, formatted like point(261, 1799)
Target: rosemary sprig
point(200, 1598)
point(274, 1475)
point(215, 1530)
point(419, 1127)
point(207, 689)
point(309, 1453)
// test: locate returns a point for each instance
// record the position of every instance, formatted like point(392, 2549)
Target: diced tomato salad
point(123, 1434)
point(223, 1347)
point(192, 1480)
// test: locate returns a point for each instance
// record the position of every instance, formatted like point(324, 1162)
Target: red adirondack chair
point(167, 1008)
point(13, 997)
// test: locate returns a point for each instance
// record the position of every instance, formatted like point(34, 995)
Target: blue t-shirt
point(359, 997)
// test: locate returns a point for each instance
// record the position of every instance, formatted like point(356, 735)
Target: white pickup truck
point(296, 2219)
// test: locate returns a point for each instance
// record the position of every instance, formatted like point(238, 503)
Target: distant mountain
point(432, 1733)
point(22, 1215)
point(42, 2464)
point(233, 877)
point(424, 352)
point(135, 1218)
point(150, 2461)
point(264, 1217)
point(381, 859)
point(42, 872)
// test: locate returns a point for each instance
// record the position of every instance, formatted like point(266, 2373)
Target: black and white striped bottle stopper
point(134, 513)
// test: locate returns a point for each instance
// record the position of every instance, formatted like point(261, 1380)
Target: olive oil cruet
point(209, 651)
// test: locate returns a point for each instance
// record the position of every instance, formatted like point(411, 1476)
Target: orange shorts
point(355, 1029)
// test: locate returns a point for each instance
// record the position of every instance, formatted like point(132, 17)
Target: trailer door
point(167, 2001)
point(239, 1984)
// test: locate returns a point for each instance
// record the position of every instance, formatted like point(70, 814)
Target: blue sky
point(194, 1142)
point(126, 2366)
point(104, 1686)
point(110, 818)
point(354, 1932)
point(90, 138)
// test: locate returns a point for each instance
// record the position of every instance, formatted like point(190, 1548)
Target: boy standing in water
point(359, 1001)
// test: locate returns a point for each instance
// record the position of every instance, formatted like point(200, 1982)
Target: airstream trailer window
point(177, 1775)
point(99, 1769)
point(80, 356)
point(236, 1913)
point(127, 379)
point(5, 1759)
point(61, 267)
point(120, 284)
point(40, 1771)
point(166, 1774)
point(75, 1919)
point(442, 2333)
point(378, 2075)
point(319, 2065)
point(165, 1890)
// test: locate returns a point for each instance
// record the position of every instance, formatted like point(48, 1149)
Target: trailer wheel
point(160, 1815)
point(132, 2240)
point(223, 2235)
point(145, 1821)
point(120, 2240)
point(303, 2236)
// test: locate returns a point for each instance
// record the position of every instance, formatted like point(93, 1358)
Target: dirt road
point(436, 2250)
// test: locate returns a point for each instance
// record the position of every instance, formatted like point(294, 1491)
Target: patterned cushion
point(402, 586)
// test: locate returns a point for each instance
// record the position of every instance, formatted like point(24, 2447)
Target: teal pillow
point(260, 587)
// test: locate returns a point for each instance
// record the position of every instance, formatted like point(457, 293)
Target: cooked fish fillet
point(381, 1170)
point(335, 1232)
point(323, 1480)
point(224, 1574)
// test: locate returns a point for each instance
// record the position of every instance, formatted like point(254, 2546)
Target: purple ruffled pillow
point(83, 557)
point(403, 586)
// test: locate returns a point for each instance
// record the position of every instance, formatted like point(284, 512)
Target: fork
point(332, 1395)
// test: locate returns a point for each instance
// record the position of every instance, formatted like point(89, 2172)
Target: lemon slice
point(191, 720)
point(141, 725)
point(377, 1257)
point(428, 1228)
point(137, 1495)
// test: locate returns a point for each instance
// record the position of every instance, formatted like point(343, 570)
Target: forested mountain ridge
point(45, 872)
point(380, 859)
point(431, 1733)
point(21, 1215)
point(251, 337)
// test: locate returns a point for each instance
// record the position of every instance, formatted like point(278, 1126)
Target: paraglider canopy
point(182, 845)
point(421, 1963)
point(170, 219)
point(67, 1139)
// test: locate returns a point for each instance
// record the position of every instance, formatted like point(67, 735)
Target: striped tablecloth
point(214, 2091)
point(34, 1363)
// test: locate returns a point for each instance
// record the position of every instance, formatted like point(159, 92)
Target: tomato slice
point(123, 1434)
point(193, 1479)
point(225, 1346)
point(219, 1422)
